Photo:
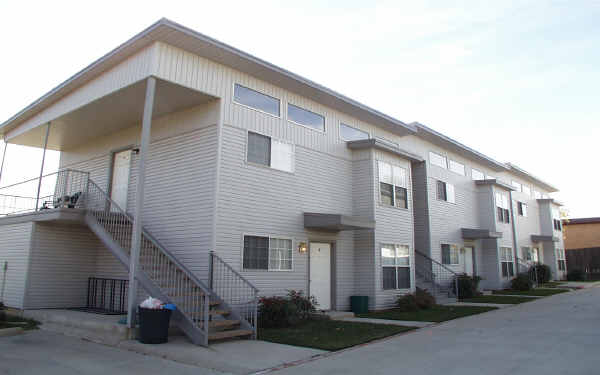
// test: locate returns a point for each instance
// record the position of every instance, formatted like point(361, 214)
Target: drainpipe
point(514, 233)
point(37, 201)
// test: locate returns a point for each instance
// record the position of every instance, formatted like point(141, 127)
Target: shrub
point(521, 282)
point(407, 302)
point(424, 299)
point(576, 275)
point(278, 312)
point(544, 274)
point(468, 286)
point(2, 313)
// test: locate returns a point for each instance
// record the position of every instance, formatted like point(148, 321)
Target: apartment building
point(211, 177)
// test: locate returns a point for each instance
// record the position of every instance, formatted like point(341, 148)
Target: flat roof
point(582, 220)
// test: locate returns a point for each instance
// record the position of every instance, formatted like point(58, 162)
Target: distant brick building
point(582, 244)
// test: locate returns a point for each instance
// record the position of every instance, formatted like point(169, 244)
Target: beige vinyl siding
point(63, 257)
point(15, 240)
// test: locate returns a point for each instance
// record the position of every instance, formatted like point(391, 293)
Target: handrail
point(436, 262)
point(234, 271)
point(46, 175)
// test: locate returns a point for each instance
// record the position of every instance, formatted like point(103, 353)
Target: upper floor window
point(264, 253)
point(395, 261)
point(305, 117)
point(348, 133)
point(269, 152)
point(477, 174)
point(506, 259)
point(450, 254)
point(437, 159)
point(537, 194)
point(456, 167)
point(445, 192)
point(257, 100)
point(522, 208)
point(557, 224)
point(502, 208)
point(526, 190)
point(517, 185)
point(393, 185)
point(488, 177)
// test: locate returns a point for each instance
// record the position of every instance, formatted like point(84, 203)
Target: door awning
point(335, 222)
point(479, 234)
point(543, 238)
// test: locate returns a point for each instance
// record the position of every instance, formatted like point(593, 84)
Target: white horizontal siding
point(15, 242)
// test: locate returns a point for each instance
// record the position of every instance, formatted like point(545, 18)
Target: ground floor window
point(450, 254)
point(506, 258)
point(395, 261)
point(265, 253)
point(562, 266)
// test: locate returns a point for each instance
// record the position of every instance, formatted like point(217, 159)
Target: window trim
point(250, 234)
point(287, 117)
point(482, 174)
point(410, 266)
point(435, 165)
point(445, 191)
point(520, 211)
point(511, 261)
point(518, 188)
point(450, 245)
point(252, 108)
point(269, 167)
point(464, 167)
point(393, 205)
point(353, 127)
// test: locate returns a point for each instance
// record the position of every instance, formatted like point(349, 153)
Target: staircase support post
point(136, 239)
point(37, 200)
point(3, 157)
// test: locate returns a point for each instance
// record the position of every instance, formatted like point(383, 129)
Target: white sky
point(516, 80)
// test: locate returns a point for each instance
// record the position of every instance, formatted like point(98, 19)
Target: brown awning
point(335, 222)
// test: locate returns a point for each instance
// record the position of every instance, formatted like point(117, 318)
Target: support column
point(37, 200)
point(136, 239)
point(3, 157)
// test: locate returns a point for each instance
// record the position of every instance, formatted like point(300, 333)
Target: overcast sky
point(517, 80)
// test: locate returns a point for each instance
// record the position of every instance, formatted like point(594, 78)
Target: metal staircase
point(201, 314)
point(436, 278)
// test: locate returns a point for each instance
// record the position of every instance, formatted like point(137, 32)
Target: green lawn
point(329, 334)
point(437, 313)
point(538, 292)
point(31, 324)
point(552, 284)
point(498, 299)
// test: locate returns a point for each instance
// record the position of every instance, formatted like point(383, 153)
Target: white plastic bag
point(151, 303)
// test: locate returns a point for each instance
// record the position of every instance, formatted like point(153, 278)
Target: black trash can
point(359, 304)
point(154, 325)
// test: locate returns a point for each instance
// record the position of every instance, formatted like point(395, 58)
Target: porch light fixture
point(302, 247)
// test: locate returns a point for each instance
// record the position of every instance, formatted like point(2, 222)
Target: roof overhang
point(531, 178)
point(582, 220)
point(380, 145)
point(544, 238)
point(479, 234)
point(452, 145)
point(169, 32)
point(494, 182)
point(549, 200)
point(335, 222)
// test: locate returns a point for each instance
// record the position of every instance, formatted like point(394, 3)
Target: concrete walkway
point(551, 335)
point(405, 323)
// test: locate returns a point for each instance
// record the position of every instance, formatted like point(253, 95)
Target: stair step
point(222, 323)
point(210, 312)
point(229, 334)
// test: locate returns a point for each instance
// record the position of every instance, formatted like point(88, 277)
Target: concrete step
point(229, 334)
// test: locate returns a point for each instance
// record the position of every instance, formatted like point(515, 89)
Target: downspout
point(514, 233)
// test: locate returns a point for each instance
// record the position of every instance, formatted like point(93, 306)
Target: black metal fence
point(107, 296)
point(586, 260)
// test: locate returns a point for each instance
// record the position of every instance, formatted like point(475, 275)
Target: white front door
point(467, 260)
point(320, 274)
point(120, 178)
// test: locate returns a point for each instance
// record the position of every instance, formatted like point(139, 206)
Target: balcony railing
point(65, 188)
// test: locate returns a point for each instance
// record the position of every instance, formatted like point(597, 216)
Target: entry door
point(320, 274)
point(468, 260)
point(120, 178)
point(535, 255)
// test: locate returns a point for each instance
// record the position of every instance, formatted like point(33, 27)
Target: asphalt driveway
point(553, 335)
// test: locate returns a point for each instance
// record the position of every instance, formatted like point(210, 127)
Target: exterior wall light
point(302, 247)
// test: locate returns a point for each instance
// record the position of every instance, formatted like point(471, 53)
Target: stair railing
point(235, 290)
point(441, 277)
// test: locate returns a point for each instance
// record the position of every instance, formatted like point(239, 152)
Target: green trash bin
point(359, 304)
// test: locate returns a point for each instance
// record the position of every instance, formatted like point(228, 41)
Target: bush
point(2, 313)
point(407, 303)
point(279, 312)
point(468, 286)
point(522, 282)
point(544, 274)
point(576, 275)
point(424, 299)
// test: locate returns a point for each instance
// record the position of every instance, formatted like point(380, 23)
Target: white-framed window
point(537, 194)
point(445, 192)
point(264, 150)
point(526, 190)
point(488, 177)
point(522, 209)
point(506, 260)
point(395, 263)
point(305, 117)
point(456, 167)
point(348, 133)
point(450, 254)
point(562, 263)
point(556, 222)
point(256, 100)
point(517, 186)
point(392, 185)
point(438, 160)
point(267, 253)
point(527, 254)
point(477, 174)
point(502, 208)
